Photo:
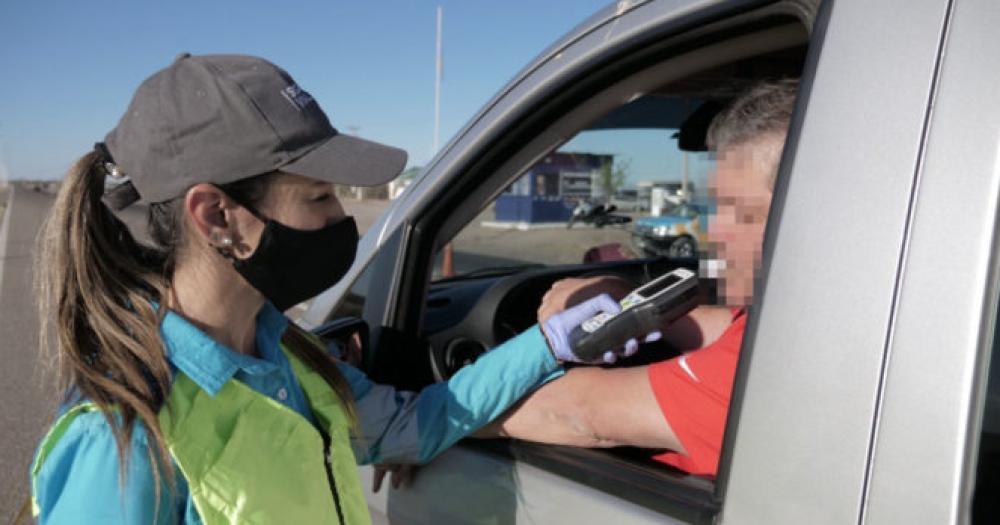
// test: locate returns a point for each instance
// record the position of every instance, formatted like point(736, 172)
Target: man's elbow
point(581, 419)
point(620, 409)
point(564, 422)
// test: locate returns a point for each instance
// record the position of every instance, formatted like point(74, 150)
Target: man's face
point(742, 189)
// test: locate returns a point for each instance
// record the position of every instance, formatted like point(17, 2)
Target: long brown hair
point(97, 288)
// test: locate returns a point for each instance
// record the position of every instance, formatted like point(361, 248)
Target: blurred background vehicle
point(677, 233)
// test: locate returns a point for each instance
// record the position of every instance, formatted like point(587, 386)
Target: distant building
point(549, 191)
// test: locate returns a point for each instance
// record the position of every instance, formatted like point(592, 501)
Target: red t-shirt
point(693, 392)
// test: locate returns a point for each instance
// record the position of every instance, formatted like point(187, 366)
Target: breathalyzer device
point(644, 310)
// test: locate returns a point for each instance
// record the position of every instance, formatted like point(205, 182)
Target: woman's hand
point(400, 475)
point(353, 353)
point(557, 330)
point(573, 291)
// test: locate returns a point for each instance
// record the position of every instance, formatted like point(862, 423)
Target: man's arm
point(699, 328)
point(595, 407)
point(590, 407)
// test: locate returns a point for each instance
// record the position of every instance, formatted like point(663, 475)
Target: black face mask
point(291, 265)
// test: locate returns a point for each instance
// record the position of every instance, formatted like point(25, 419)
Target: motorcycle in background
point(596, 214)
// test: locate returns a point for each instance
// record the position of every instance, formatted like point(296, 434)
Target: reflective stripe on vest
point(49, 442)
point(250, 459)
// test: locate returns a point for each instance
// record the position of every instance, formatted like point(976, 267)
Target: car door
point(930, 426)
point(801, 433)
point(603, 64)
point(864, 383)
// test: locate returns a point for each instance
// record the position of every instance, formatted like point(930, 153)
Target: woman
point(191, 398)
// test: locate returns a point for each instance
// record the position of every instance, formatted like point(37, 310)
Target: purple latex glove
point(558, 327)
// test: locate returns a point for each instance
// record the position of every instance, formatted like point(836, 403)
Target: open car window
point(620, 189)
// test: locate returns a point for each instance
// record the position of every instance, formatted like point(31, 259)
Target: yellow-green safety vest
point(250, 459)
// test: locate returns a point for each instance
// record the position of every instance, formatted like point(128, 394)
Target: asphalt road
point(28, 400)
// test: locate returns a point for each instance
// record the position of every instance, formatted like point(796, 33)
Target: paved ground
point(479, 246)
point(28, 402)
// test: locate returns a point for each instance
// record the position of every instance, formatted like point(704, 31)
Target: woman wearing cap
point(190, 398)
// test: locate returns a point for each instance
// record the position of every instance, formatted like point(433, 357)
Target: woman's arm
point(407, 427)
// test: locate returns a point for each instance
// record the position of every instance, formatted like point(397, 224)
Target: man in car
point(679, 404)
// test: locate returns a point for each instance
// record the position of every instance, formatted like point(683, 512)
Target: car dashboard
point(465, 317)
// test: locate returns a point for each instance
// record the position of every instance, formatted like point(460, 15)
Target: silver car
point(864, 392)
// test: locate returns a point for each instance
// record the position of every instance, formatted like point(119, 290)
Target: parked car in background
point(864, 392)
point(676, 234)
point(627, 200)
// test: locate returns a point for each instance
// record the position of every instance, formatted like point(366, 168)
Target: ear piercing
point(223, 241)
point(223, 244)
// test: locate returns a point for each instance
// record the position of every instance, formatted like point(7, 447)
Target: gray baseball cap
point(222, 118)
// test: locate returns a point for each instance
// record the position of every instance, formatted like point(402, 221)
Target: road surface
point(28, 396)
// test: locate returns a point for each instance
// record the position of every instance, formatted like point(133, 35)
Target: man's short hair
point(764, 109)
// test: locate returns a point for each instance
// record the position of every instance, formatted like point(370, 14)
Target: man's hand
point(573, 291)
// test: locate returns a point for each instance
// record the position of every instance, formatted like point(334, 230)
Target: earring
point(224, 241)
point(223, 244)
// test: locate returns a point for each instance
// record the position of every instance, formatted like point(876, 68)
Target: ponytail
point(96, 288)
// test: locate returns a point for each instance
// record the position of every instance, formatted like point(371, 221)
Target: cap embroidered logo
point(299, 97)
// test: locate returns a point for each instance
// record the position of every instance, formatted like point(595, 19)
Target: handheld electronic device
point(644, 310)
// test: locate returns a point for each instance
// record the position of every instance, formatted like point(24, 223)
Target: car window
point(353, 303)
point(367, 295)
point(620, 189)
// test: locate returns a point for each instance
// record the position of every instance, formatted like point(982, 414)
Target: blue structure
point(549, 191)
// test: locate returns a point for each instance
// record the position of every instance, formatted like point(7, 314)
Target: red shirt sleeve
point(693, 392)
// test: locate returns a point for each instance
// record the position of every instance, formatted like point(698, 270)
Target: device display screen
point(660, 286)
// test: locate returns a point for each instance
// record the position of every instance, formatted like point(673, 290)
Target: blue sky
point(70, 67)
